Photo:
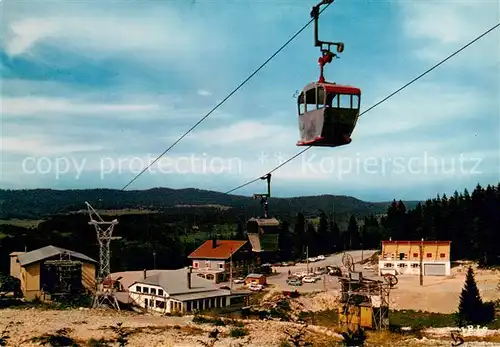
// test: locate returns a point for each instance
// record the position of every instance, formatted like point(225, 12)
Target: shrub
point(59, 339)
point(238, 332)
point(354, 338)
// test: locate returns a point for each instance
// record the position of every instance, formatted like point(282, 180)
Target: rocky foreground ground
point(148, 330)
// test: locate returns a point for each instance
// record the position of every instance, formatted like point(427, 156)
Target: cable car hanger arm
point(268, 195)
point(326, 54)
point(264, 197)
point(317, 43)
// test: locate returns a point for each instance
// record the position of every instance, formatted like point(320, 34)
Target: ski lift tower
point(104, 297)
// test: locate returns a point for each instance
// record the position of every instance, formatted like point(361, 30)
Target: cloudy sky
point(92, 91)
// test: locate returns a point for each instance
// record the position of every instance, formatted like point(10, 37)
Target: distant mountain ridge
point(40, 203)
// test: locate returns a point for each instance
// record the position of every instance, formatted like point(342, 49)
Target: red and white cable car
point(328, 112)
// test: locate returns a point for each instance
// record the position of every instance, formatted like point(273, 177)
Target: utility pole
point(307, 259)
point(231, 269)
point(421, 262)
point(154, 260)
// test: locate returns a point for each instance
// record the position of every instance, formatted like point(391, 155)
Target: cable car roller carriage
point(263, 232)
point(328, 112)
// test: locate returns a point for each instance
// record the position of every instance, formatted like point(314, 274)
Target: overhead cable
point(378, 103)
point(226, 98)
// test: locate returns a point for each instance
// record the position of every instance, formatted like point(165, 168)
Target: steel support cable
point(226, 98)
point(380, 102)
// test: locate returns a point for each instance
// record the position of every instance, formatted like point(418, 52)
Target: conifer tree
point(470, 309)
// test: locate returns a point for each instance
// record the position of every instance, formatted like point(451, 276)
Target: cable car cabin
point(327, 114)
point(263, 234)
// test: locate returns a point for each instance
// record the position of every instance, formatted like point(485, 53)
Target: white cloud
point(244, 132)
point(40, 105)
point(203, 92)
point(440, 27)
point(100, 33)
point(424, 104)
point(41, 146)
point(397, 169)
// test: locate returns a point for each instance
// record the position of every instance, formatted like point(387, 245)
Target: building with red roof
point(212, 260)
point(406, 257)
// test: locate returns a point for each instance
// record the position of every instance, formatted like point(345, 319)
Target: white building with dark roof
point(177, 291)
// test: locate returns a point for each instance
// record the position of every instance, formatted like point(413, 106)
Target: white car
point(255, 287)
point(239, 280)
point(309, 280)
point(321, 257)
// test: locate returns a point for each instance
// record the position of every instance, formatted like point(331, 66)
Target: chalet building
point(52, 270)
point(212, 260)
point(177, 291)
point(403, 258)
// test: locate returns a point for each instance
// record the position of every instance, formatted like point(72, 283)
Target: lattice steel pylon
point(104, 297)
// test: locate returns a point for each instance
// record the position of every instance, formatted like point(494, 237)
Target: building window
point(195, 264)
point(401, 256)
point(138, 289)
point(387, 265)
point(151, 302)
point(401, 265)
point(442, 255)
point(429, 255)
point(188, 306)
point(207, 263)
point(415, 255)
point(221, 265)
point(145, 290)
point(160, 304)
point(160, 292)
point(146, 303)
point(415, 265)
point(153, 291)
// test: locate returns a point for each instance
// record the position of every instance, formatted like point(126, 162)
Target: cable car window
point(321, 97)
point(300, 101)
point(355, 101)
point(345, 101)
point(310, 99)
point(331, 100)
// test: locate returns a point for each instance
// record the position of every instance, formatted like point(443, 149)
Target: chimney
point(145, 273)
point(214, 241)
point(189, 277)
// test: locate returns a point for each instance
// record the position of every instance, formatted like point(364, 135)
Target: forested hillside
point(470, 221)
point(40, 203)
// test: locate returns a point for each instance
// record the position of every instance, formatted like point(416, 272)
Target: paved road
point(327, 282)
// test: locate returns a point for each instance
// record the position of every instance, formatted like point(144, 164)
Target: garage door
point(434, 270)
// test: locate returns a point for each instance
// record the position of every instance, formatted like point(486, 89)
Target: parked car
point(321, 257)
point(335, 271)
point(320, 271)
point(255, 287)
point(309, 280)
point(239, 280)
point(294, 282)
